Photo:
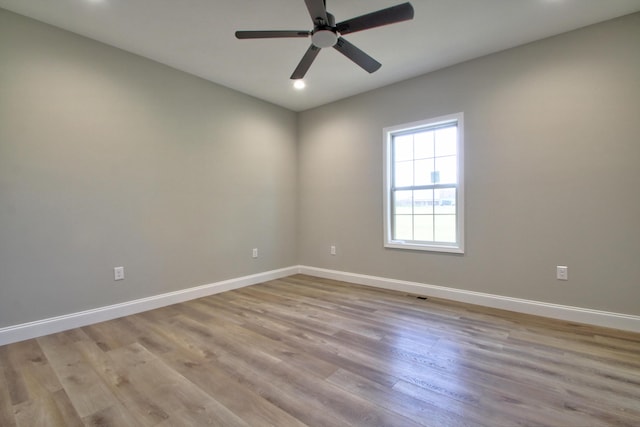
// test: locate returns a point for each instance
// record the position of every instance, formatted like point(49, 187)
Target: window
point(423, 185)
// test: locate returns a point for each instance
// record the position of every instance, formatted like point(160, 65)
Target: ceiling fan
point(326, 33)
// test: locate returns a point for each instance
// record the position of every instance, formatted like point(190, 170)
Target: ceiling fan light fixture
point(324, 38)
point(299, 84)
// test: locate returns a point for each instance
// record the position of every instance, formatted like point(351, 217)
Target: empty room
point(320, 213)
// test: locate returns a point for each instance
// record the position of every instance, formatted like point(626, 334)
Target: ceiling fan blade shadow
point(317, 10)
point(390, 15)
point(305, 62)
point(270, 34)
point(356, 55)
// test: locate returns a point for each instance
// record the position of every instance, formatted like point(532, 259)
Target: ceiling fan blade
point(270, 34)
point(356, 55)
point(317, 10)
point(305, 63)
point(390, 15)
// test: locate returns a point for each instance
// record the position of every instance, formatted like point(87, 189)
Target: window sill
point(427, 248)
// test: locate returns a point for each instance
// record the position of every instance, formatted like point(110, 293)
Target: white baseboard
point(52, 325)
point(606, 319)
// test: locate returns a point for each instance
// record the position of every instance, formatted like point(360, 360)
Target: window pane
point(423, 202)
point(445, 201)
point(423, 228)
point(423, 145)
point(447, 170)
point(403, 148)
point(403, 227)
point(446, 141)
point(445, 228)
point(404, 174)
point(403, 202)
point(424, 172)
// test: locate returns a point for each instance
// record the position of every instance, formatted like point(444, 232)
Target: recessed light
point(299, 84)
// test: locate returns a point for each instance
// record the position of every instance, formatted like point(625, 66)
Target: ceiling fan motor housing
point(324, 34)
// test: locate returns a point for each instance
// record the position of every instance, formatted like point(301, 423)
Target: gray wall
point(108, 159)
point(552, 176)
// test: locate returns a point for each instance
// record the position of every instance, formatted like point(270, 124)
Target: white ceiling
point(197, 36)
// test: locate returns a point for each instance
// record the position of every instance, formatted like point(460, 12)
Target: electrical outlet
point(254, 254)
point(562, 272)
point(332, 250)
point(118, 273)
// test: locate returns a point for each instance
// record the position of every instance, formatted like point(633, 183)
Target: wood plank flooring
point(303, 351)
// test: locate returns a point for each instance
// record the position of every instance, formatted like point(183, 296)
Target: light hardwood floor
point(307, 351)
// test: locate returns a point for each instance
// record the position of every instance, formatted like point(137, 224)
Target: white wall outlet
point(254, 254)
point(118, 273)
point(562, 272)
point(332, 250)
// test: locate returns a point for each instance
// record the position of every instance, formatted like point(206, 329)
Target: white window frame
point(388, 134)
